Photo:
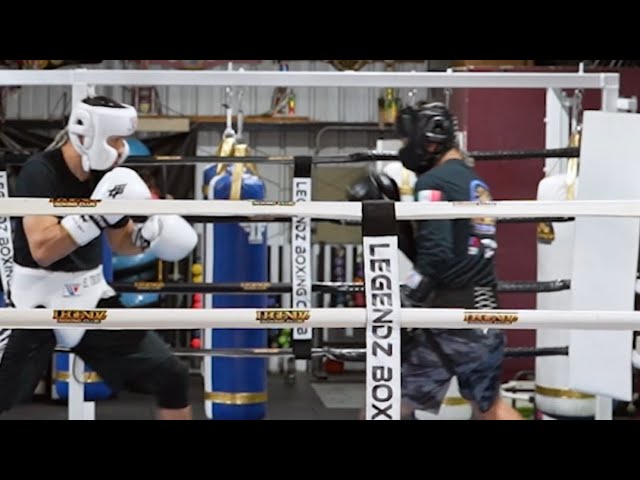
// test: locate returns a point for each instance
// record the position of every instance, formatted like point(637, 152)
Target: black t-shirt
point(455, 253)
point(46, 175)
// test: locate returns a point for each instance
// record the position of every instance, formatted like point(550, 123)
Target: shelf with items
point(170, 123)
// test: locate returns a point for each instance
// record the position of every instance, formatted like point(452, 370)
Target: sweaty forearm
point(51, 244)
point(121, 240)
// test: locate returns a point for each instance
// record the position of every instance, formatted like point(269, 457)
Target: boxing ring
point(383, 316)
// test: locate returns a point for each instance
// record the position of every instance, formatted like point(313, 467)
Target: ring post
point(380, 242)
point(82, 394)
point(301, 260)
point(6, 256)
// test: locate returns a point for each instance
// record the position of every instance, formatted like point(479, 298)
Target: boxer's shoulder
point(41, 163)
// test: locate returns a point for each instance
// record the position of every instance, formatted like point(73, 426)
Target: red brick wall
point(514, 119)
point(508, 120)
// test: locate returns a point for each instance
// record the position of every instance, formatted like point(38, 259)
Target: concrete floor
point(297, 401)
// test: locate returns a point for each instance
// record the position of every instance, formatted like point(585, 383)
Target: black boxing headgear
point(430, 130)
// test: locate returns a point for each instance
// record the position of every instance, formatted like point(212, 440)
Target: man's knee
point(25, 359)
point(172, 384)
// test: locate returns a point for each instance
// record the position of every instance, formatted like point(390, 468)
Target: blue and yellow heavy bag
point(137, 268)
point(236, 388)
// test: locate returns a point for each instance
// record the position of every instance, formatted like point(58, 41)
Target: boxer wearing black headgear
point(430, 131)
point(454, 267)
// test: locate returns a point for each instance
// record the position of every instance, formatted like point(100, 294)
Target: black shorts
point(135, 360)
point(431, 357)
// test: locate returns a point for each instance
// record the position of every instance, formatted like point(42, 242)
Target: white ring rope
point(359, 79)
point(321, 210)
point(178, 318)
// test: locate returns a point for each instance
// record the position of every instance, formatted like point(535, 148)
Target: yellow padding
point(88, 377)
point(238, 398)
point(454, 401)
point(561, 393)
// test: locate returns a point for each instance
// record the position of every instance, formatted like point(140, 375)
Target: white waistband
point(58, 276)
point(35, 287)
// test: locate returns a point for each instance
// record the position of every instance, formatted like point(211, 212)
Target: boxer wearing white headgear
point(92, 123)
point(58, 263)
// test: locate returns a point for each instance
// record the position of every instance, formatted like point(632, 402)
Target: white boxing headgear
point(96, 119)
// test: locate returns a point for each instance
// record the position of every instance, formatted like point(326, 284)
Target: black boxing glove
point(375, 186)
point(364, 189)
point(415, 292)
point(378, 186)
point(387, 186)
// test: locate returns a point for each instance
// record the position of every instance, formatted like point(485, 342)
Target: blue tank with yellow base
point(134, 263)
point(236, 388)
point(137, 148)
point(137, 268)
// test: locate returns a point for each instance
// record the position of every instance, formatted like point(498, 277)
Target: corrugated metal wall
point(319, 104)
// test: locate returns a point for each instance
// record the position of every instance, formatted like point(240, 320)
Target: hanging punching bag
point(236, 388)
point(553, 398)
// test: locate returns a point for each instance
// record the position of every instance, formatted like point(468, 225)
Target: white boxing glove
point(119, 184)
point(169, 237)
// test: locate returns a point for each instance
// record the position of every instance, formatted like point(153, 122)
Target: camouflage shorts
point(430, 358)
